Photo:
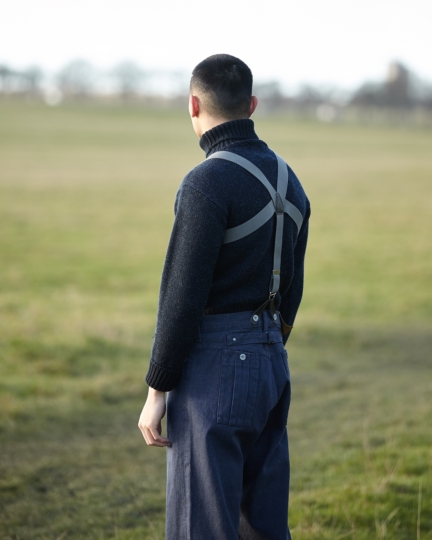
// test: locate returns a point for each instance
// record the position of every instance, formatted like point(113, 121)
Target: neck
point(207, 123)
point(227, 133)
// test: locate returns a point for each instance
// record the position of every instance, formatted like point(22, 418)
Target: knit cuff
point(161, 378)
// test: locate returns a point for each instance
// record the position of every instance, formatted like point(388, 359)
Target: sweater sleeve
point(193, 250)
point(291, 300)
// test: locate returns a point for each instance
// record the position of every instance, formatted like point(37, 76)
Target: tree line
point(79, 80)
point(400, 89)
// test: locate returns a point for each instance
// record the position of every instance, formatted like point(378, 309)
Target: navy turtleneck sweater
point(203, 274)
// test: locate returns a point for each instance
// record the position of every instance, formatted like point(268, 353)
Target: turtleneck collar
point(224, 134)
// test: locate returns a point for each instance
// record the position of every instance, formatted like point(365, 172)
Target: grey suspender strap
point(282, 185)
point(278, 205)
point(251, 225)
point(235, 233)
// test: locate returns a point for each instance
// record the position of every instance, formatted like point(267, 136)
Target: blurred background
point(95, 139)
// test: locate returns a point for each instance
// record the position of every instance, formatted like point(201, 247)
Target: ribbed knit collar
point(227, 133)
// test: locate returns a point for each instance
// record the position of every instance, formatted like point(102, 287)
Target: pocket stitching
point(229, 398)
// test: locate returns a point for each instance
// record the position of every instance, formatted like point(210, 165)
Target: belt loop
point(198, 336)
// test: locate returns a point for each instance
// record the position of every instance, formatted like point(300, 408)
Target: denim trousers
point(228, 465)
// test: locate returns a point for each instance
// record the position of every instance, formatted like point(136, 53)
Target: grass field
point(86, 209)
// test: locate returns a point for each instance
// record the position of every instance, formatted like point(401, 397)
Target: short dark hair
point(225, 86)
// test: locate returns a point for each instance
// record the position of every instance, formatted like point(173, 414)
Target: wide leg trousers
point(228, 464)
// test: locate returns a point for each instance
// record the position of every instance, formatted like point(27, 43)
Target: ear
point(253, 105)
point(194, 106)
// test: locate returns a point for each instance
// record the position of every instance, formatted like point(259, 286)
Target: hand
point(151, 416)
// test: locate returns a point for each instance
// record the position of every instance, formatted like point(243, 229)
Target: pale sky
point(340, 42)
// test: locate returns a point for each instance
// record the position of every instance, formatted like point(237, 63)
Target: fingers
point(150, 421)
point(152, 437)
point(163, 441)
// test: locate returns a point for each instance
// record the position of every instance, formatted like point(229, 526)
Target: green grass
point(86, 209)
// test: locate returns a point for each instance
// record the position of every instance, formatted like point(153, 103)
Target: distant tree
point(5, 78)
point(425, 95)
point(33, 77)
point(269, 95)
point(309, 95)
point(368, 95)
point(397, 86)
point(129, 77)
point(395, 91)
point(427, 100)
point(77, 79)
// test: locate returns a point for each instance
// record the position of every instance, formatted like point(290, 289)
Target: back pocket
point(238, 388)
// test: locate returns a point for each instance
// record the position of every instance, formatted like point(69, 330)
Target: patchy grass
point(86, 208)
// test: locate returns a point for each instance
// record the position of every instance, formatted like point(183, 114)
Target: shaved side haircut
point(224, 85)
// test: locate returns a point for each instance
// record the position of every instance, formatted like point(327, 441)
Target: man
point(241, 221)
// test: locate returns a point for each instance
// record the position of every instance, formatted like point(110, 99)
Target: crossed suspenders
point(278, 205)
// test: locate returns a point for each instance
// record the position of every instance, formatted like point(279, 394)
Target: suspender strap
point(282, 186)
point(246, 164)
point(250, 226)
point(278, 205)
point(294, 213)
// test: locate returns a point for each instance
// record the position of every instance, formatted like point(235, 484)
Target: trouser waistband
point(267, 330)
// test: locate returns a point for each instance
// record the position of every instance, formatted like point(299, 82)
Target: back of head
point(224, 86)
